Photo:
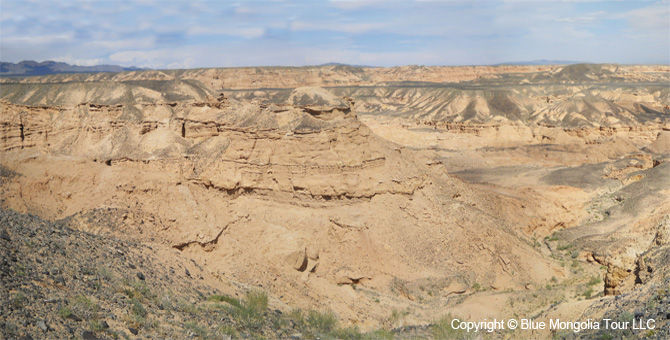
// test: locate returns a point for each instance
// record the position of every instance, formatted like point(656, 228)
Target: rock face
point(574, 96)
point(662, 143)
point(302, 190)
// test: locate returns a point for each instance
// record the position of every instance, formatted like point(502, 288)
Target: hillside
point(33, 68)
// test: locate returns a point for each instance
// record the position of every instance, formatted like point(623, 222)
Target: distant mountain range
point(33, 68)
point(341, 64)
point(541, 62)
point(532, 62)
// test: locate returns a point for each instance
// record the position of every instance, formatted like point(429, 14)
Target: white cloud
point(351, 28)
point(140, 42)
point(144, 57)
point(204, 33)
point(244, 32)
point(654, 17)
point(49, 39)
point(588, 19)
point(81, 62)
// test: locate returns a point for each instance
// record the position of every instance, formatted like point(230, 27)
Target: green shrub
point(95, 326)
point(140, 289)
point(587, 293)
point(84, 307)
point(351, 333)
point(298, 317)
point(65, 312)
point(396, 316)
point(626, 316)
point(226, 330)
point(198, 330)
point(106, 273)
point(322, 322)
point(225, 298)
point(137, 308)
point(250, 313)
point(257, 301)
point(594, 281)
point(18, 300)
point(380, 334)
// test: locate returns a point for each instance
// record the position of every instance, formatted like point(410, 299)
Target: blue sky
point(186, 34)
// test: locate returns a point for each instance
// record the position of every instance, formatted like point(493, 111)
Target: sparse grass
point(279, 322)
point(322, 322)
point(87, 271)
point(650, 333)
point(64, 312)
point(587, 293)
point(140, 289)
point(565, 247)
point(18, 300)
point(84, 307)
point(106, 274)
point(225, 298)
point(297, 317)
point(379, 334)
point(20, 270)
point(626, 316)
point(95, 325)
point(250, 313)
point(400, 287)
point(137, 308)
point(561, 335)
point(185, 307)
point(594, 281)
point(226, 330)
point(396, 316)
point(324, 325)
point(442, 329)
point(196, 329)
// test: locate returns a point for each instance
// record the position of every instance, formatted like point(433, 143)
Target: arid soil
point(387, 197)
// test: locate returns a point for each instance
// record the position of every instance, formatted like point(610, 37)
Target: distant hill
point(33, 68)
point(341, 64)
point(541, 62)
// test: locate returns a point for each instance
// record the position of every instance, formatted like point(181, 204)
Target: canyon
point(387, 196)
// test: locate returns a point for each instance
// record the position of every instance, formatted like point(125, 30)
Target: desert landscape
point(335, 202)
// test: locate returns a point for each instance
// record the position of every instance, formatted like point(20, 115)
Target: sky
point(189, 34)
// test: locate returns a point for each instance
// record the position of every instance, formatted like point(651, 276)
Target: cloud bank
point(185, 34)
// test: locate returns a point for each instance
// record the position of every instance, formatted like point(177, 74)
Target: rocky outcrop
point(662, 143)
point(225, 181)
